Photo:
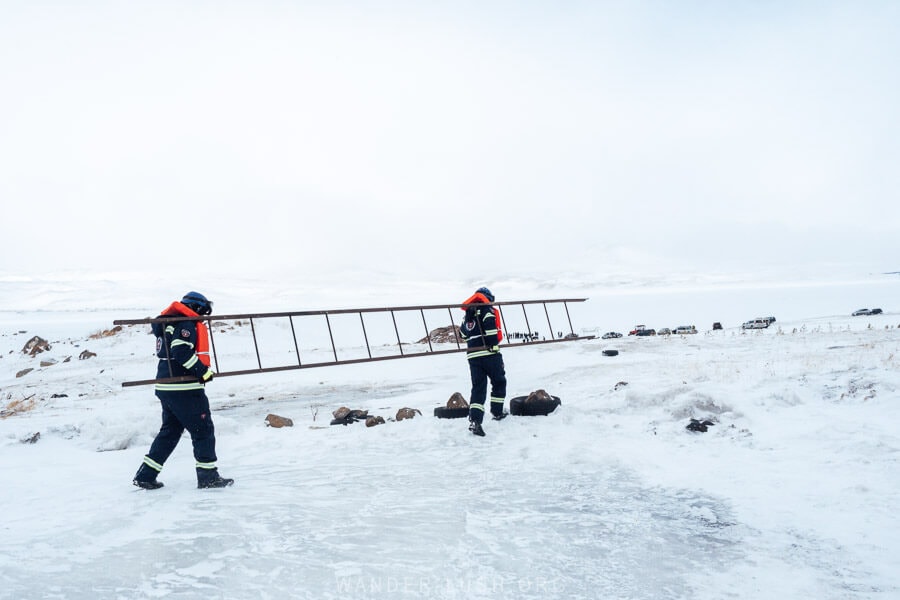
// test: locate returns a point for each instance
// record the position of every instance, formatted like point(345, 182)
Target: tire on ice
point(536, 406)
point(443, 412)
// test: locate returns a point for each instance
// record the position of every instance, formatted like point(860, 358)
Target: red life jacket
point(479, 298)
point(202, 347)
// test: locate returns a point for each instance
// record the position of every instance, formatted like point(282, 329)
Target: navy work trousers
point(481, 369)
point(182, 410)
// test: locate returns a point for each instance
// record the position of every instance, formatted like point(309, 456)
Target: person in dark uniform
point(482, 331)
point(183, 351)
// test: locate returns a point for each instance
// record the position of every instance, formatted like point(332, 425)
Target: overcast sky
point(448, 137)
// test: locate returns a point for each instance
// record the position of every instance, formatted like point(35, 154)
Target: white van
point(756, 324)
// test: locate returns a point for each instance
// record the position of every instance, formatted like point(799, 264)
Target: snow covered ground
point(792, 493)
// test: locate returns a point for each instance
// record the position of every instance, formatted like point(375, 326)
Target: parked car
point(717, 325)
point(875, 311)
point(756, 324)
point(611, 335)
point(664, 331)
point(770, 320)
point(683, 329)
point(636, 329)
point(645, 332)
point(861, 312)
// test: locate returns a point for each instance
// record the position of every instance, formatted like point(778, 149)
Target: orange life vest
point(202, 347)
point(479, 298)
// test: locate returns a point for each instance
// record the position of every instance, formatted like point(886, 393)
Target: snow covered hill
point(791, 493)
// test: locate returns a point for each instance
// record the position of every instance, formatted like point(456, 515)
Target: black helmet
point(487, 293)
point(198, 303)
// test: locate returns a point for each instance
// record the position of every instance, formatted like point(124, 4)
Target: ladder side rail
point(338, 362)
point(308, 313)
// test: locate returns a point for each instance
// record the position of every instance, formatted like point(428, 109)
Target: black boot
point(501, 416)
point(211, 479)
point(148, 485)
point(476, 428)
point(218, 482)
point(145, 478)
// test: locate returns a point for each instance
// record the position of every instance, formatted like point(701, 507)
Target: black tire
point(517, 406)
point(610, 353)
point(442, 412)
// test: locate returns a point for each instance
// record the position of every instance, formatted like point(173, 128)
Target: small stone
point(538, 396)
point(407, 413)
point(35, 345)
point(277, 421)
point(457, 401)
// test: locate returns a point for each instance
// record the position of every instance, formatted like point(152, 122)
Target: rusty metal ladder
point(529, 337)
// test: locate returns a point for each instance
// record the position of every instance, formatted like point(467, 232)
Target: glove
point(208, 376)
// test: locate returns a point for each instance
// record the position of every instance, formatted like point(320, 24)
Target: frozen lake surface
point(791, 493)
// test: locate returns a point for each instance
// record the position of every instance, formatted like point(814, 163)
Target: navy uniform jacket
point(479, 330)
point(176, 344)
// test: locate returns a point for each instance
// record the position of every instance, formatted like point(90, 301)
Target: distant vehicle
point(637, 328)
point(610, 335)
point(756, 324)
point(875, 311)
point(683, 329)
point(770, 320)
point(645, 332)
point(571, 336)
point(861, 312)
point(664, 331)
point(717, 325)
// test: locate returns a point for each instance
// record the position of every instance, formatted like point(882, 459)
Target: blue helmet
point(487, 293)
point(198, 303)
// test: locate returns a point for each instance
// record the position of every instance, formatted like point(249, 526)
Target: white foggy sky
point(424, 137)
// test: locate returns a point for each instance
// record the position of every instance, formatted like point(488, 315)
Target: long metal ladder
point(392, 351)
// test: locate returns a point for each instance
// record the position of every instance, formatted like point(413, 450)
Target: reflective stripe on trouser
point(184, 410)
point(148, 470)
point(482, 369)
point(152, 464)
